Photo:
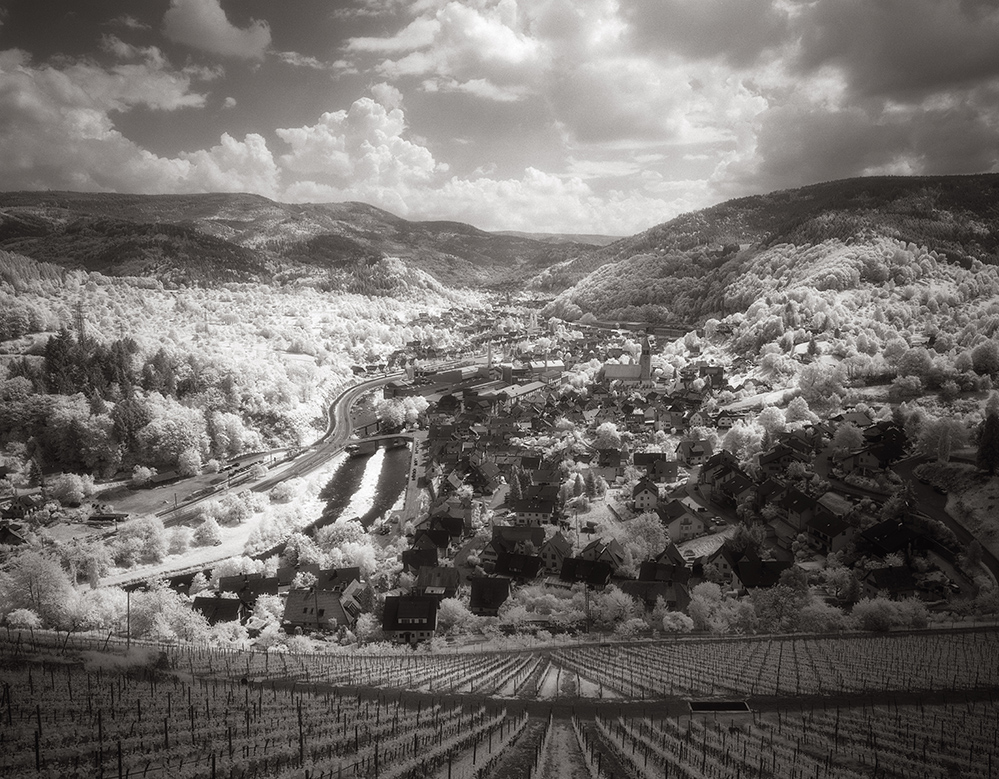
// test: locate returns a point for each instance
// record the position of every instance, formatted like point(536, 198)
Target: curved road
point(339, 429)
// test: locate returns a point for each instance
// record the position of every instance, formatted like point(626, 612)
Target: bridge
point(369, 445)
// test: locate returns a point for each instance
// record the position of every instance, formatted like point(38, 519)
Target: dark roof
point(760, 573)
point(671, 554)
point(535, 535)
point(828, 525)
point(645, 459)
point(488, 594)
point(417, 558)
point(889, 536)
point(520, 566)
point(593, 572)
point(651, 571)
point(534, 506)
point(439, 538)
point(419, 607)
point(896, 579)
point(454, 526)
point(219, 609)
point(237, 582)
point(438, 577)
point(337, 578)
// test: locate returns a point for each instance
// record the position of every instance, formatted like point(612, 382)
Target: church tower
point(645, 361)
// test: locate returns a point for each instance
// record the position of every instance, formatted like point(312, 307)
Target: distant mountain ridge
point(957, 216)
point(204, 238)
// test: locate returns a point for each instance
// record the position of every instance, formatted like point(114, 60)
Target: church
point(639, 374)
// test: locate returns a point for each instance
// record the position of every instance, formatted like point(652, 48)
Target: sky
point(578, 116)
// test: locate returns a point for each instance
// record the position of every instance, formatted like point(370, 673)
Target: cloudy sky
point(597, 116)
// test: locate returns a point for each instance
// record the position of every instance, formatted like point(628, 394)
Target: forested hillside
point(957, 216)
point(103, 374)
point(184, 239)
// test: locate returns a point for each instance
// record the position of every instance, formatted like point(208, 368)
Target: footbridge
point(369, 445)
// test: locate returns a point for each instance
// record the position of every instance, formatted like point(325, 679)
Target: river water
point(367, 486)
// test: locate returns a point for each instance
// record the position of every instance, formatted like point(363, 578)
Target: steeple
point(645, 361)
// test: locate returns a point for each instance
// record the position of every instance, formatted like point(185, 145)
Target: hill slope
point(957, 216)
point(236, 237)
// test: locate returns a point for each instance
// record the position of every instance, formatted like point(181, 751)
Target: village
point(596, 463)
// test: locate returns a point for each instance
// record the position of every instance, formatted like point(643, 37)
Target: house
point(508, 538)
point(437, 539)
point(890, 536)
point(797, 507)
point(10, 535)
point(554, 551)
point(870, 461)
point(518, 566)
point(645, 495)
point(674, 594)
point(719, 466)
point(651, 571)
point(681, 521)
point(610, 552)
point(895, 582)
point(216, 609)
point(663, 470)
point(594, 573)
point(437, 581)
point(534, 512)
point(830, 532)
point(693, 451)
point(408, 619)
point(318, 609)
point(488, 594)
point(414, 559)
point(454, 526)
point(780, 456)
point(725, 419)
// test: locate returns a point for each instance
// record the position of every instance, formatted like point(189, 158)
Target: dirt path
point(564, 758)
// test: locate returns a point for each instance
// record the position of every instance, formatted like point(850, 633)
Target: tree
point(590, 484)
point(798, 411)
point(988, 444)
point(23, 619)
point(208, 533)
point(747, 539)
point(940, 437)
point(607, 437)
point(847, 438)
point(71, 489)
point(37, 582)
point(985, 358)
point(646, 536)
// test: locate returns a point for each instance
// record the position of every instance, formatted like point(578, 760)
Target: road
point(338, 431)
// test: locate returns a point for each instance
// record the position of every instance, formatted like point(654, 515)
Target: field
point(920, 704)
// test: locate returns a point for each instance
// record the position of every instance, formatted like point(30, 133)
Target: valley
point(555, 492)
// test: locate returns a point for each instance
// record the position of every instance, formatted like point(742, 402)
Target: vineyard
point(894, 705)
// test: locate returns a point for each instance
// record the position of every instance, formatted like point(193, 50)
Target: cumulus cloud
point(361, 147)
point(203, 25)
point(58, 131)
